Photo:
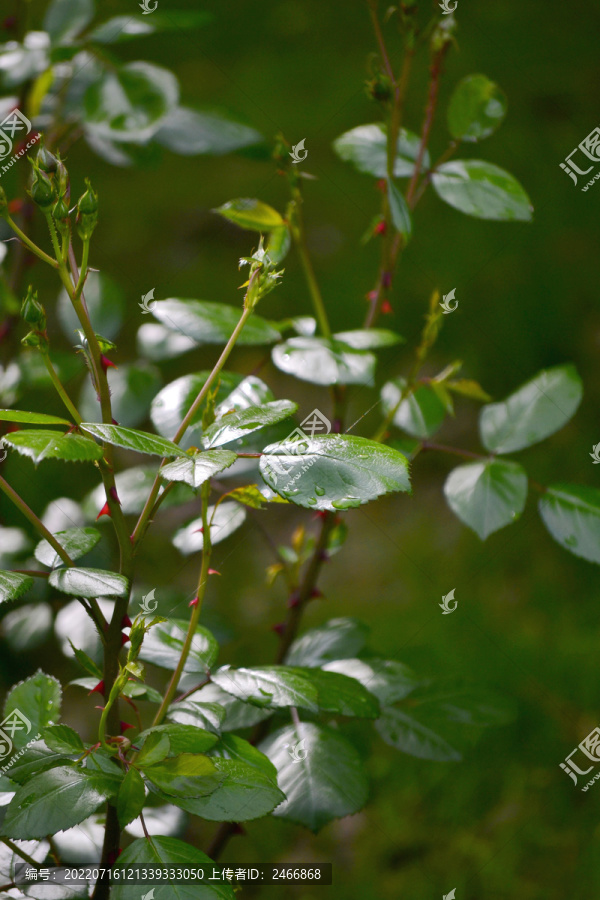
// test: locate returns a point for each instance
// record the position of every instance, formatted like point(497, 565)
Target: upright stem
point(60, 389)
point(299, 234)
point(434, 87)
point(35, 521)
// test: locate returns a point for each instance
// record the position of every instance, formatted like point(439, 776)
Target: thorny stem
point(299, 234)
point(379, 35)
point(200, 592)
point(434, 87)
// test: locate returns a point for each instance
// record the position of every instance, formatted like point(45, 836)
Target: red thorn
point(237, 829)
point(372, 296)
point(106, 363)
point(380, 228)
point(9, 23)
point(193, 602)
point(15, 206)
point(386, 308)
point(113, 493)
point(315, 593)
point(99, 689)
point(294, 600)
point(324, 556)
point(196, 530)
point(126, 622)
point(105, 511)
point(381, 185)
point(112, 856)
point(125, 726)
point(124, 639)
point(213, 572)
point(320, 514)
point(114, 421)
point(386, 280)
point(279, 629)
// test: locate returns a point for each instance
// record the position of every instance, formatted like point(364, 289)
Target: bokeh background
point(505, 822)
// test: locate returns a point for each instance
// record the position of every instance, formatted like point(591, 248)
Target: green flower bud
point(46, 161)
point(443, 34)
point(60, 213)
point(88, 202)
point(35, 340)
point(33, 311)
point(62, 180)
point(380, 88)
point(42, 190)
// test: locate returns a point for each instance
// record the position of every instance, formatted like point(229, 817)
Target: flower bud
point(380, 88)
point(87, 213)
point(36, 340)
point(62, 180)
point(46, 161)
point(32, 311)
point(42, 190)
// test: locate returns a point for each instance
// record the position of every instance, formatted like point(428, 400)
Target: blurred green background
point(506, 822)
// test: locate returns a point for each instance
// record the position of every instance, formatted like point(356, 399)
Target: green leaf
point(130, 439)
point(131, 797)
point(182, 738)
point(168, 851)
point(366, 148)
point(75, 541)
point(124, 28)
point(342, 695)
point(106, 304)
point(245, 793)
point(399, 211)
point(28, 626)
point(369, 338)
point(164, 642)
point(230, 746)
point(226, 518)
point(387, 679)
point(477, 107)
point(212, 323)
point(324, 361)
point(39, 445)
point(38, 700)
point(89, 582)
point(192, 132)
point(533, 412)
point(487, 495)
point(326, 780)
point(334, 640)
point(482, 190)
point(186, 775)
point(56, 800)
point(412, 737)
point(268, 686)
point(129, 102)
point(279, 244)
point(251, 496)
point(88, 664)
point(30, 418)
point(195, 470)
point(202, 715)
point(571, 513)
point(252, 214)
point(236, 424)
point(36, 758)
point(333, 471)
point(13, 585)
point(468, 388)
point(156, 748)
point(233, 391)
point(65, 19)
point(421, 414)
point(62, 739)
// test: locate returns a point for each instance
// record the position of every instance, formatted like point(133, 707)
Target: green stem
point(60, 388)
point(29, 243)
point(84, 269)
point(299, 235)
point(145, 516)
point(200, 592)
point(37, 523)
point(21, 853)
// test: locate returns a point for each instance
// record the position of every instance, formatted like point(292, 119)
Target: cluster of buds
point(263, 277)
point(34, 314)
point(51, 191)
